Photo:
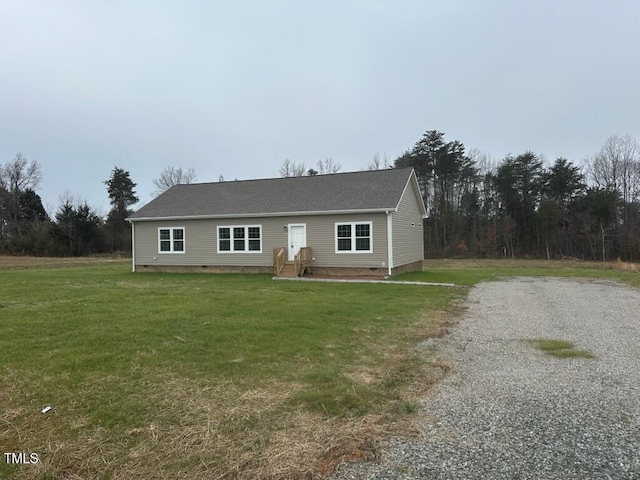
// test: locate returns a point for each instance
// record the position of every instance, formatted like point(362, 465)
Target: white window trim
point(353, 237)
point(172, 240)
point(246, 239)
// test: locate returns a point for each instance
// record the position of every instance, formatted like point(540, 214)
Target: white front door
point(297, 238)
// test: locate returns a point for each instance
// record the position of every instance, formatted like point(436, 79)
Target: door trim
point(290, 253)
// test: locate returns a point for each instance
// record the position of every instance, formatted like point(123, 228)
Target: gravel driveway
point(509, 411)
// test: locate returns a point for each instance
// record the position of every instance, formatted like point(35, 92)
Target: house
point(358, 223)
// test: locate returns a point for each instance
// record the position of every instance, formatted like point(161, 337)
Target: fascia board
point(259, 215)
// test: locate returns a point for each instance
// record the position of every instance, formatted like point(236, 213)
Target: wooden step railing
point(279, 259)
point(301, 260)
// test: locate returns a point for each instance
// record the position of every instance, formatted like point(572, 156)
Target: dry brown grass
point(11, 262)
point(221, 433)
point(621, 266)
point(508, 263)
point(564, 263)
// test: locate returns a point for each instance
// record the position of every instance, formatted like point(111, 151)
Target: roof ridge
point(319, 175)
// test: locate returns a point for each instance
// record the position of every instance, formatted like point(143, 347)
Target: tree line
point(518, 206)
point(521, 207)
point(76, 229)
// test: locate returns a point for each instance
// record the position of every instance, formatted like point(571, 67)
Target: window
point(353, 237)
point(344, 238)
point(171, 240)
point(240, 239)
point(224, 239)
point(254, 239)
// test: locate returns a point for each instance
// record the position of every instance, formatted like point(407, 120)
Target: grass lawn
point(218, 376)
point(470, 272)
point(203, 375)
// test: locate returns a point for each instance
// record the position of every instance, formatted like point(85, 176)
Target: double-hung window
point(354, 237)
point(171, 240)
point(240, 238)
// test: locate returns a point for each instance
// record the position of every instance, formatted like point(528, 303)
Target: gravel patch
point(510, 411)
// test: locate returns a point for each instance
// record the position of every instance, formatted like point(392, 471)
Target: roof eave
point(260, 215)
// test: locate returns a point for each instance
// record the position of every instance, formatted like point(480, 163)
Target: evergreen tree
point(519, 184)
point(122, 195)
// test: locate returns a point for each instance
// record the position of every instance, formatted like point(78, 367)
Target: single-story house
point(367, 223)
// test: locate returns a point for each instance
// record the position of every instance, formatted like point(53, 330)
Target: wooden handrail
point(278, 260)
point(305, 256)
point(296, 264)
point(302, 260)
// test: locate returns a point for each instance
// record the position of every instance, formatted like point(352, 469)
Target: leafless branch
point(171, 176)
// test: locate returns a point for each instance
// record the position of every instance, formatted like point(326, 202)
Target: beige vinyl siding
point(197, 243)
point(408, 228)
point(324, 238)
point(201, 242)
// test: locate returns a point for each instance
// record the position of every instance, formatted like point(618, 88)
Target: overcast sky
point(233, 88)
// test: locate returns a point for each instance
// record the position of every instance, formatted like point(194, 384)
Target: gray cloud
point(233, 88)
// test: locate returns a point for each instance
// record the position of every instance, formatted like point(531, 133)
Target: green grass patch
point(471, 272)
point(408, 407)
point(559, 348)
point(330, 393)
point(551, 345)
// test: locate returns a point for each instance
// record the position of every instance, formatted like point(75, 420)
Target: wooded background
point(520, 205)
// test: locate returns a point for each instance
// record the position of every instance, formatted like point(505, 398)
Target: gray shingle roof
point(368, 190)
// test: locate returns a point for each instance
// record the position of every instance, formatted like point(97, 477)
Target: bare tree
point(379, 162)
point(328, 166)
point(614, 166)
point(484, 162)
point(292, 169)
point(617, 167)
point(19, 174)
point(171, 176)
